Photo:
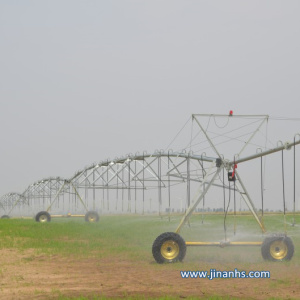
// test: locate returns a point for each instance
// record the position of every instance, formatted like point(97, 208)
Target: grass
point(131, 238)
point(119, 235)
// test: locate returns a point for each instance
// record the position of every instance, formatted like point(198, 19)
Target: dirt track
point(30, 276)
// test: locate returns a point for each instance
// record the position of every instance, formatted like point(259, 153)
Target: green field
point(131, 237)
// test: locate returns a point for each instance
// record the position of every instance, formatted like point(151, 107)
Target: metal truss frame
point(144, 172)
point(228, 165)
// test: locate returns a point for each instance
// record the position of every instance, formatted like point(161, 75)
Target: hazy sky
point(81, 81)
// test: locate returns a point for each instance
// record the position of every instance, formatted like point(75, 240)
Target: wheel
point(92, 217)
point(277, 248)
point(5, 217)
point(43, 217)
point(169, 247)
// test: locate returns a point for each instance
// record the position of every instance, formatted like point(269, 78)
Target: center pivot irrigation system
point(163, 182)
point(171, 247)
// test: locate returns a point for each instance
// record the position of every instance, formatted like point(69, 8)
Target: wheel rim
point(278, 249)
point(169, 250)
point(43, 219)
point(92, 218)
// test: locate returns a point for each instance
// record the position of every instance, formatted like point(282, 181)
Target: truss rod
point(208, 139)
point(199, 195)
point(245, 195)
point(231, 116)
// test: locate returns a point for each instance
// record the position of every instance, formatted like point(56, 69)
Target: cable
point(229, 140)
point(284, 119)
point(283, 191)
point(226, 212)
point(234, 201)
point(203, 203)
point(261, 187)
point(294, 206)
point(191, 134)
point(178, 134)
point(221, 126)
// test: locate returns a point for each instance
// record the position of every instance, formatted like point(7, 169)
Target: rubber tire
point(160, 240)
point(91, 213)
point(266, 246)
point(41, 213)
point(5, 217)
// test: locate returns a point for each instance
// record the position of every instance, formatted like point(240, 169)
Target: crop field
point(68, 258)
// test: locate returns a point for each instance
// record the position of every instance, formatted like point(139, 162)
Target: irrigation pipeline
point(285, 146)
point(146, 170)
point(139, 172)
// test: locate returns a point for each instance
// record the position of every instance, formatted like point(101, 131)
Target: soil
point(26, 275)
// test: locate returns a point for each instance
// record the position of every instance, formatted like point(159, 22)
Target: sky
point(83, 81)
